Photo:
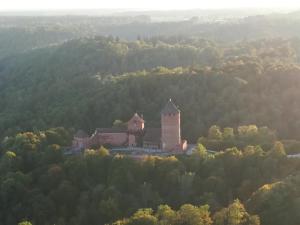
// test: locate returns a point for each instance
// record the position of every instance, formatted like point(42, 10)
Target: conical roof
point(170, 108)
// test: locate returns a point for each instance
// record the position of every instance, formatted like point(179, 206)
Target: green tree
point(200, 151)
point(235, 214)
point(192, 215)
point(25, 223)
point(103, 152)
point(214, 132)
point(143, 217)
point(278, 150)
point(228, 133)
point(166, 215)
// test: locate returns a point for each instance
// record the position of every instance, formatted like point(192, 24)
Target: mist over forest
point(235, 75)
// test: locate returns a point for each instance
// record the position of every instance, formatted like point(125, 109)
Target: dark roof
point(152, 135)
point(111, 130)
point(170, 107)
point(81, 134)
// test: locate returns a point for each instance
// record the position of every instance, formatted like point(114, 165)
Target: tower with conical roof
point(170, 127)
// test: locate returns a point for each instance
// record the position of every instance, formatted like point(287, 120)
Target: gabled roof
point(81, 134)
point(136, 117)
point(170, 108)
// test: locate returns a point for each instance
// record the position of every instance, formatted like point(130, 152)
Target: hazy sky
point(144, 4)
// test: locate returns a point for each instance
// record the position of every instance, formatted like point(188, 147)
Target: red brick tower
point(170, 127)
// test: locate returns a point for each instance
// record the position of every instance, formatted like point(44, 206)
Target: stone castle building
point(166, 138)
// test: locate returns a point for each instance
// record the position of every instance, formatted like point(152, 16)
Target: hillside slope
point(80, 84)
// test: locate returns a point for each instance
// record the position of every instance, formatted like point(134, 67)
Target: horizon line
point(146, 9)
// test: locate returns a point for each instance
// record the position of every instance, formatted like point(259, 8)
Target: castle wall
point(132, 140)
point(170, 128)
point(114, 139)
point(151, 145)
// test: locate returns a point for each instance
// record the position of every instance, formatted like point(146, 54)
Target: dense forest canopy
point(235, 80)
point(42, 185)
point(96, 81)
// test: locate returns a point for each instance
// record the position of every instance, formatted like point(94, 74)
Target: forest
point(97, 81)
point(236, 82)
point(246, 186)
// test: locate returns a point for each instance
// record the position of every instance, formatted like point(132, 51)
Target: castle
point(166, 138)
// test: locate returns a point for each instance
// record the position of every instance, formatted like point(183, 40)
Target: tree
point(192, 215)
point(109, 209)
point(278, 150)
point(200, 151)
point(25, 223)
point(166, 215)
point(118, 123)
point(143, 217)
point(228, 133)
point(214, 132)
point(235, 214)
point(276, 202)
point(103, 152)
point(248, 132)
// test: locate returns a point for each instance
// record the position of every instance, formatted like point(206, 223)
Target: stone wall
point(114, 139)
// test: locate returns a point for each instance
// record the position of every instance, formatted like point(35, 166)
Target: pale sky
point(144, 4)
